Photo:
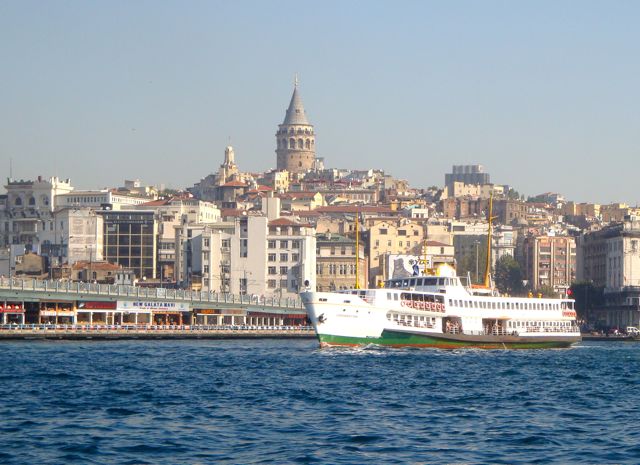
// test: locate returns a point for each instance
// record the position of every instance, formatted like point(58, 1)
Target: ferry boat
point(439, 311)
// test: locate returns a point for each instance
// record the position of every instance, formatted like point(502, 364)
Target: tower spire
point(296, 81)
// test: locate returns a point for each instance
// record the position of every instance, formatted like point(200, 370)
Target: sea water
point(284, 401)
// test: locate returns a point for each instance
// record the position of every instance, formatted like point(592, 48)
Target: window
point(272, 270)
point(284, 244)
point(295, 244)
point(271, 257)
point(284, 270)
point(206, 243)
point(244, 245)
point(271, 283)
point(343, 250)
point(271, 244)
point(284, 257)
point(205, 269)
point(402, 232)
point(383, 232)
point(295, 257)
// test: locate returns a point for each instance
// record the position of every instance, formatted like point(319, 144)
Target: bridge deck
point(34, 290)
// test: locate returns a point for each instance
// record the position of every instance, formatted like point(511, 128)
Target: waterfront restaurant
point(11, 312)
point(214, 316)
point(154, 312)
point(276, 319)
point(57, 312)
point(89, 313)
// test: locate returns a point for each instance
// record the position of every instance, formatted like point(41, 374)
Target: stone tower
point(296, 144)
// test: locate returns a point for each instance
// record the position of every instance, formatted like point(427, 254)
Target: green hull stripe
point(416, 340)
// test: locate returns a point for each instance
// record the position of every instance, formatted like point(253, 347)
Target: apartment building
point(337, 265)
point(391, 236)
point(550, 261)
point(257, 253)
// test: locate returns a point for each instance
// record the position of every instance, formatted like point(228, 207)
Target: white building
point(99, 199)
point(254, 254)
point(172, 213)
point(28, 210)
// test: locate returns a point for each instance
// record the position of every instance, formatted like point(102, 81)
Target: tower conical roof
point(295, 112)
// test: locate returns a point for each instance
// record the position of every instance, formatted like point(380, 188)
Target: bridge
point(110, 303)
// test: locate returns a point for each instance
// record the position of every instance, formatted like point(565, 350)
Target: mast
point(487, 269)
point(357, 253)
point(424, 269)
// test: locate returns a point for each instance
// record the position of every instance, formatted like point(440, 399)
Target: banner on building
point(146, 306)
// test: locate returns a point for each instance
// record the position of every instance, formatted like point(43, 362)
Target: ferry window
point(440, 281)
point(413, 282)
point(450, 302)
point(395, 296)
point(388, 295)
point(420, 281)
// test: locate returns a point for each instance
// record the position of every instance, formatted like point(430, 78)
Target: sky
point(544, 94)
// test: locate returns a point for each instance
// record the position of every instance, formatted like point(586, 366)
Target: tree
point(508, 276)
point(587, 297)
point(467, 263)
point(512, 194)
point(547, 291)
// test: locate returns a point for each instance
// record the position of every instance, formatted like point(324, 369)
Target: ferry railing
point(118, 290)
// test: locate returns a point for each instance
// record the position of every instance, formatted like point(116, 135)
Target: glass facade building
point(130, 240)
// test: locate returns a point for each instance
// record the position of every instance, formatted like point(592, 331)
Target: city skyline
point(543, 95)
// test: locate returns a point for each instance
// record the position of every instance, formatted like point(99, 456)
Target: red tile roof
point(235, 184)
point(353, 209)
point(287, 222)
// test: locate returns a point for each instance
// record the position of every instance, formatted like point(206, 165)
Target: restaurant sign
point(155, 306)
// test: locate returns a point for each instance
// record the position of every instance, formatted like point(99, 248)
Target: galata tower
point(296, 141)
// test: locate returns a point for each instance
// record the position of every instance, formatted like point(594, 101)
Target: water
point(281, 401)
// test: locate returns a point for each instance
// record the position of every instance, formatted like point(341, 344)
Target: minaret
point(296, 144)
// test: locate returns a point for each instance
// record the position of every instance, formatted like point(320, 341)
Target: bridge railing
point(149, 327)
point(153, 293)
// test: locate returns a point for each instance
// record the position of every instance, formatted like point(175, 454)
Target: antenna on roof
point(296, 81)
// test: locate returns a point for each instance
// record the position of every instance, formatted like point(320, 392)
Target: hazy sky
point(546, 95)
